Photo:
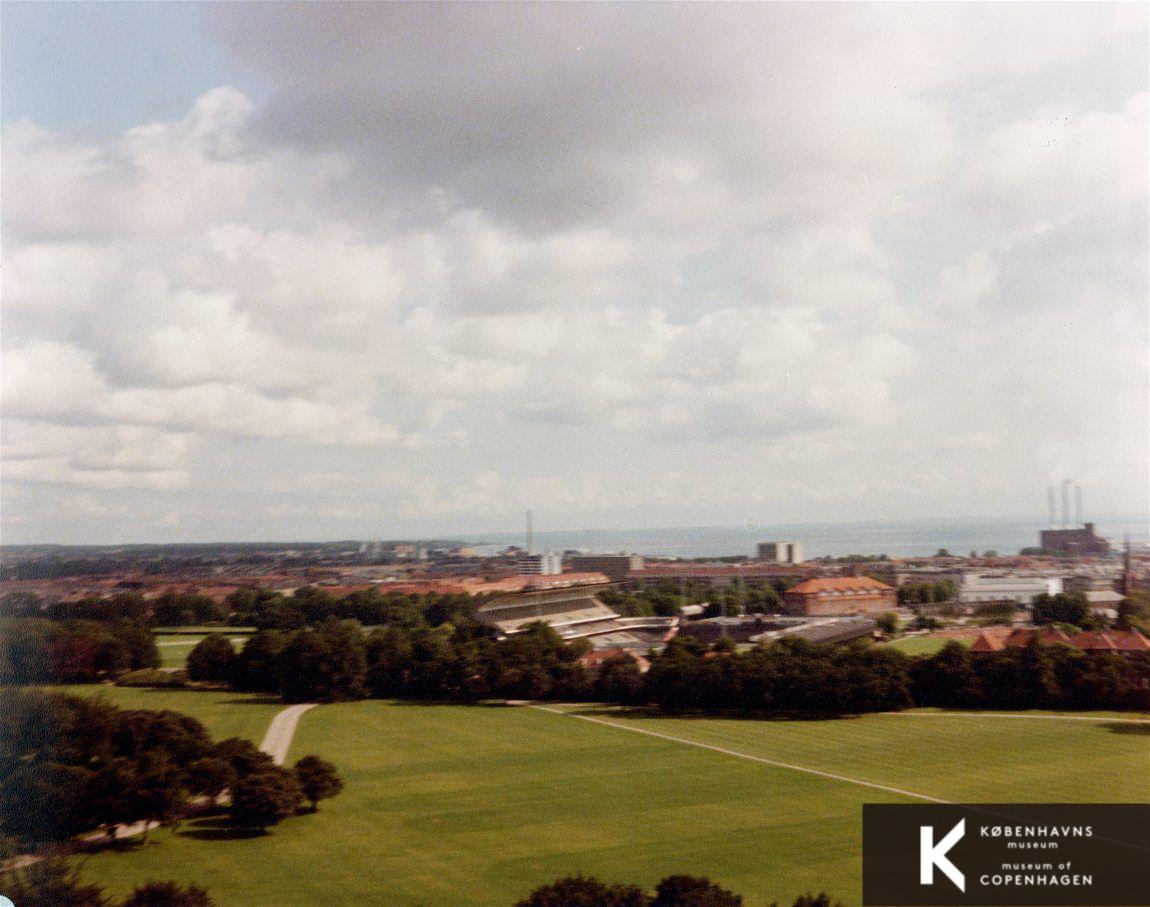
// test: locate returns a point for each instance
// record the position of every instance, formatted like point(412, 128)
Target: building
point(1118, 641)
point(615, 566)
point(549, 564)
point(576, 613)
point(781, 552)
point(840, 595)
point(1082, 542)
point(1020, 588)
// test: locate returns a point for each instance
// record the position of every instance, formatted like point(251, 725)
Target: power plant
point(1076, 539)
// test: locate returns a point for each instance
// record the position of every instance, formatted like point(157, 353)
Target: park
point(479, 804)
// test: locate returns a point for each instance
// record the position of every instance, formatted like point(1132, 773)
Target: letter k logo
point(931, 855)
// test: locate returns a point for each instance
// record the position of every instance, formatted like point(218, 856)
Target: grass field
point(923, 645)
point(174, 647)
point(458, 805)
point(224, 714)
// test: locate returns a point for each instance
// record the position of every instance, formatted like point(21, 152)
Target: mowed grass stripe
point(962, 761)
point(738, 755)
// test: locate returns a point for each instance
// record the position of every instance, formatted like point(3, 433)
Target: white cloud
point(710, 235)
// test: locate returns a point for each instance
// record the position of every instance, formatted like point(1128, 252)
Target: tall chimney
point(530, 535)
point(1077, 505)
point(1065, 503)
point(1053, 507)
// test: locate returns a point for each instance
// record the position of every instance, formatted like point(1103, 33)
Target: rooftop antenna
point(1078, 505)
point(1065, 503)
point(530, 535)
point(1053, 507)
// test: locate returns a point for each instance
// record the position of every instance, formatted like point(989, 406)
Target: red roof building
point(840, 595)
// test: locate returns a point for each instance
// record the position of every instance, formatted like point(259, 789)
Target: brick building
point(840, 595)
point(1082, 542)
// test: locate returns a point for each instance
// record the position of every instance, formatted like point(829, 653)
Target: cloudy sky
point(310, 271)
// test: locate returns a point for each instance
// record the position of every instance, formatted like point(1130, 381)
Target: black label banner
point(1005, 854)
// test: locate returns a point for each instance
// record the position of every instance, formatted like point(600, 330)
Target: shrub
point(153, 677)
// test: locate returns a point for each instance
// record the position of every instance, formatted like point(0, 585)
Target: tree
point(212, 659)
point(693, 891)
point(1063, 608)
point(887, 621)
point(257, 665)
point(942, 552)
point(809, 900)
point(49, 883)
point(328, 662)
point(244, 757)
point(211, 776)
point(585, 891)
point(167, 894)
point(265, 798)
point(619, 680)
point(318, 779)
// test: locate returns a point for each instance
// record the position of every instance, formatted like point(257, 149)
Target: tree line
point(672, 891)
point(336, 660)
point(261, 608)
point(72, 764)
point(35, 650)
point(53, 882)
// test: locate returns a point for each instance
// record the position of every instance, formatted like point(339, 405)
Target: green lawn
point(224, 714)
point(923, 645)
point(451, 805)
point(174, 647)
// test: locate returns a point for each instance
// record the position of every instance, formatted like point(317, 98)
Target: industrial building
point(781, 552)
point(840, 595)
point(1083, 542)
point(1020, 588)
point(614, 566)
point(1078, 539)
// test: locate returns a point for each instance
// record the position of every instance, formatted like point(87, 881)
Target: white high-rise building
point(549, 564)
point(781, 552)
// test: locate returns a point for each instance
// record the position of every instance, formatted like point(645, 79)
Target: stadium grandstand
point(576, 613)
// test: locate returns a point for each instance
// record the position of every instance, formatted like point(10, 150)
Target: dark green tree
point(265, 798)
point(244, 757)
point(212, 659)
point(167, 894)
point(693, 891)
point(257, 665)
point(318, 779)
point(211, 776)
point(50, 882)
point(585, 891)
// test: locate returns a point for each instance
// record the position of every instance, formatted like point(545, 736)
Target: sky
point(374, 270)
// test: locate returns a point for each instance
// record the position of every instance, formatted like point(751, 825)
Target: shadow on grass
point(648, 712)
point(267, 699)
point(1127, 727)
point(218, 828)
point(449, 703)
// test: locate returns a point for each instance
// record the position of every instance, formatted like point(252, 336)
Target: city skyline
point(272, 272)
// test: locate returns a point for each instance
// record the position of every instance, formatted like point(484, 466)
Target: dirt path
point(277, 741)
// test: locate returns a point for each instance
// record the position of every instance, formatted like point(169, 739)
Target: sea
point(908, 538)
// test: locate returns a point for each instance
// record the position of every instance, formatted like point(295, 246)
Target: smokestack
point(1077, 505)
point(530, 535)
point(1053, 507)
point(1065, 503)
